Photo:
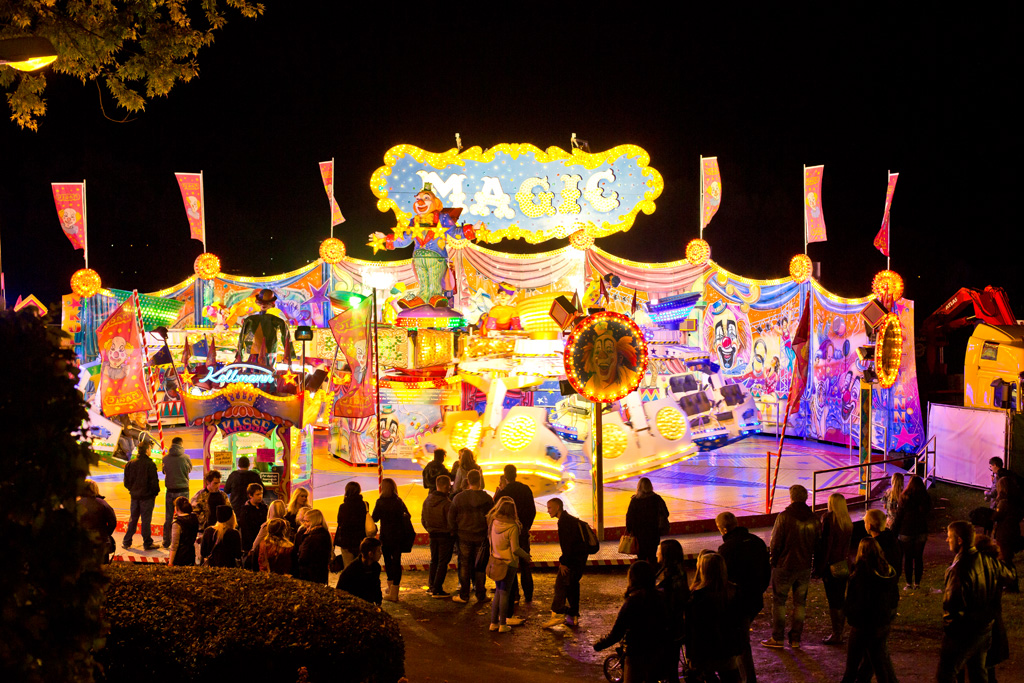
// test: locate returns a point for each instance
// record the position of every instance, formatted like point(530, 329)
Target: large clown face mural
point(390, 430)
point(116, 357)
point(726, 332)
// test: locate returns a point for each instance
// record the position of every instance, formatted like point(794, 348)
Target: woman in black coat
point(646, 520)
point(642, 626)
point(911, 527)
point(362, 577)
point(222, 543)
point(715, 623)
point(391, 512)
point(351, 523)
point(1007, 517)
point(871, 599)
point(314, 549)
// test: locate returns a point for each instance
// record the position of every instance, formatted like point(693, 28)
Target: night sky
point(928, 96)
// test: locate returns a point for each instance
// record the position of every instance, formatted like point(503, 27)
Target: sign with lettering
point(519, 191)
point(244, 373)
point(222, 460)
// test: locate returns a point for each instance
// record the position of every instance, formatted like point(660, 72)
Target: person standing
point(362, 577)
point(911, 528)
point(503, 536)
point(313, 555)
point(748, 566)
point(184, 531)
point(95, 514)
point(434, 469)
point(222, 544)
point(391, 512)
point(351, 523)
point(467, 463)
point(526, 509)
point(208, 499)
point(275, 550)
point(299, 500)
point(570, 567)
point(237, 485)
point(434, 517)
point(674, 584)
point(831, 562)
point(794, 537)
point(714, 622)
point(1007, 517)
point(871, 600)
point(875, 527)
point(641, 625)
point(176, 467)
point(646, 520)
point(970, 604)
point(142, 483)
point(891, 499)
point(252, 519)
point(467, 518)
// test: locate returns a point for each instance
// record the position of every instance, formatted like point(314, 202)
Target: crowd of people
point(664, 614)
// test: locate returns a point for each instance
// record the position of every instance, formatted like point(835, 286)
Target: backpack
point(589, 538)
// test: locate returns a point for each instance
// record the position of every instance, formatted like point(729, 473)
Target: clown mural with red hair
point(726, 332)
point(609, 361)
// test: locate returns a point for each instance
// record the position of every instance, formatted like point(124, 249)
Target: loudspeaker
point(873, 313)
point(563, 312)
point(314, 381)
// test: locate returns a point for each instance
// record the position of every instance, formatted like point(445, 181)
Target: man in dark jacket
point(434, 469)
point(970, 603)
point(794, 536)
point(748, 566)
point(467, 519)
point(176, 467)
point(526, 509)
point(435, 521)
point(252, 517)
point(237, 485)
point(142, 483)
point(570, 566)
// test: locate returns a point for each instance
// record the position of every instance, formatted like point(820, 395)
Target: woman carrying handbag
point(503, 532)
point(395, 522)
point(833, 562)
point(354, 524)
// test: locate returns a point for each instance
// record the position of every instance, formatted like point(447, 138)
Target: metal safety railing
point(924, 465)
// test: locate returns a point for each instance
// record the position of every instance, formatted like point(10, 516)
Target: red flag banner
point(802, 348)
point(711, 192)
point(70, 201)
point(351, 330)
point(882, 238)
point(123, 387)
point(327, 174)
point(814, 217)
point(191, 185)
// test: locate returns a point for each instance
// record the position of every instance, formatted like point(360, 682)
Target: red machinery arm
point(990, 305)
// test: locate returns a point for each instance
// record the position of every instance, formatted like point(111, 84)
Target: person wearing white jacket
point(503, 531)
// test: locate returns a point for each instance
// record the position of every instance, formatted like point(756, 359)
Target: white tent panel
point(965, 439)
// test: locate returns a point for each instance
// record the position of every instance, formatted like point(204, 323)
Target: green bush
point(50, 576)
point(199, 624)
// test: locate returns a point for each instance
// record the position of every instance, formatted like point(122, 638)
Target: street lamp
point(28, 53)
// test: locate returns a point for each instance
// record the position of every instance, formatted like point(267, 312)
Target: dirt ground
point(450, 642)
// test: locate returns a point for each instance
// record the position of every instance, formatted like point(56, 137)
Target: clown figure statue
point(270, 327)
point(429, 230)
point(503, 315)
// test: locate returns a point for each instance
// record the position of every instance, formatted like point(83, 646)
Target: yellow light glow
point(613, 441)
point(466, 434)
point(207, 266)
point(698, 252)
point(889, 351)
point(887, 286)
point(517, 433)
point(800, 268)
point(671, 423)
point(85, 282)
point(533, 314)
point(332, 250)
point(581, 239)
point(33, 64)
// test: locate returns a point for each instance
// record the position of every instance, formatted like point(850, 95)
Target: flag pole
point(803, 201)
point(330, 210)
point(376, 389)
point(202, 207)
point(700, 205)
point(888, 234)
point(85, 225)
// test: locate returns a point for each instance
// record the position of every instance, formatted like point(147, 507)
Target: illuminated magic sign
point(522, 192)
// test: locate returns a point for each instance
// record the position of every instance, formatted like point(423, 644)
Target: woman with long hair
point(503, 529)
point(891, 498)
point(646, 520)
point(299, 500)
point(184, 530)
point(351, 523)
point(675, 586)
point(361, 578)
point(466, 463)
point(911, 528)
point(871, 601)
point(275, 550)
point(391, 513)
point(641, 626)
point(714, 622)
point(222, 542)
point(832, 562)
point(276, 510)
point(314, 549)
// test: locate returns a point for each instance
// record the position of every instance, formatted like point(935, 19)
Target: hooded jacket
point(140, 478)
point(467, 516)
point(351, 523)
point(747, 564)
point(794, 536)
point(504, 537)
point(434, 514)
point(176, 468)
point(872, 598)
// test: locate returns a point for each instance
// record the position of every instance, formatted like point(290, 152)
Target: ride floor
point(731, 478)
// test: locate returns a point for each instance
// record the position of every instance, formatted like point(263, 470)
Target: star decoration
point(187, 377)
point(417, 231)
point(399, 232)
point(290, 377)
point(904, 438)
point(376, 242)
point(318, 295)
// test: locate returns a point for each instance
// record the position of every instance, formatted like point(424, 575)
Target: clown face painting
point(727, 337)
point(390, 431)
point(426, 207)
point(609, 359)
point(115, 359)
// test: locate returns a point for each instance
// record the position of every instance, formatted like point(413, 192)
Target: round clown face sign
point(605, 357)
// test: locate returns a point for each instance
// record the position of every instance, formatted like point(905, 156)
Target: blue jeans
point(469, 575)
point(440, 556)
point(500, 604)
point(141, 508)
point(171, 496)
point(783, 581)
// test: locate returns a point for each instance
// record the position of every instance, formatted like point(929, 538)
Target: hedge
point(202, 624)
